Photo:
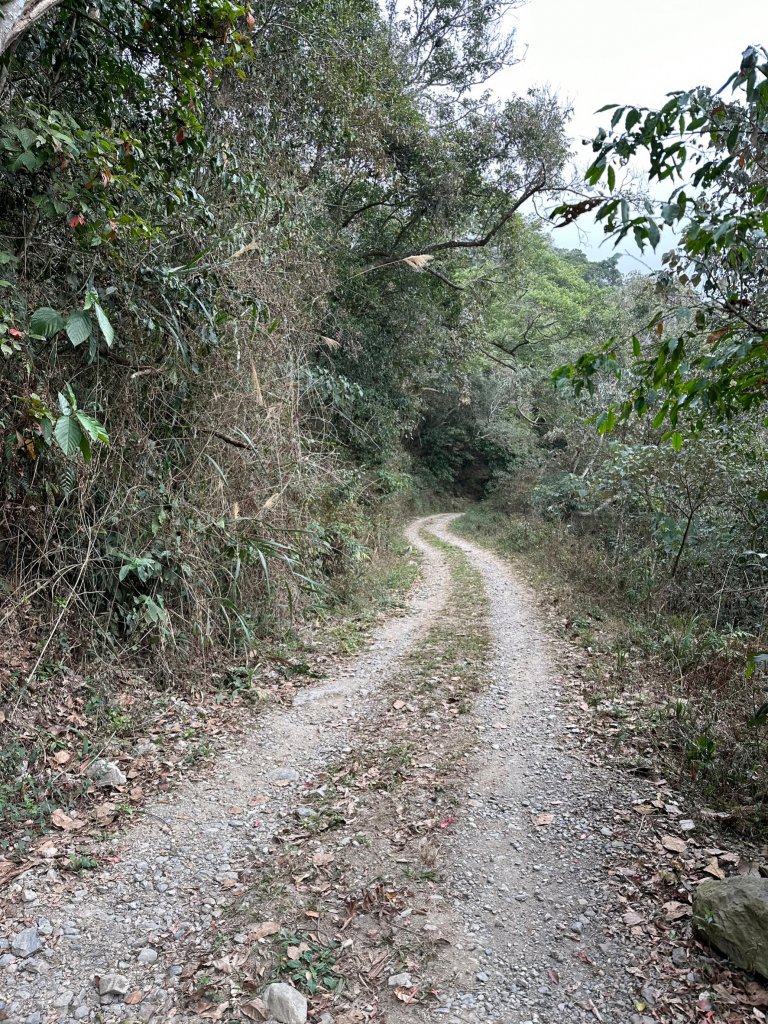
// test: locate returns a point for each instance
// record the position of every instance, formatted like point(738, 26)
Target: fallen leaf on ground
point(543, 819)
point(713, 868)
point(674, 844)
point(62, 820)
point(320, 859)
point(406, 995)
point(632, 918)
point(134, 998)
point(674, 910)
point(261, 931)
point(254, 1010)
point(62, 756)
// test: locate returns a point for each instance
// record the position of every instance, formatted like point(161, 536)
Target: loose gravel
point(529, 871)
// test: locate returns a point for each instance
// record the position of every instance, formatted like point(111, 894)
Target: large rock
point(113, 985)
point(26, 943)
point(285, 1003)
point(733, 915)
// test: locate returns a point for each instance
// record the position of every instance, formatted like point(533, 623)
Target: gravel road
point(529, 911)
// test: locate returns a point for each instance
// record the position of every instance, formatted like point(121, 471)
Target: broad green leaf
point(45, 322)
point(92, 428)
point(68, 435)
point(106, 327)
point(79, 327)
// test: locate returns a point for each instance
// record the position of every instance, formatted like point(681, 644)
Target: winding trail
point(526, 899)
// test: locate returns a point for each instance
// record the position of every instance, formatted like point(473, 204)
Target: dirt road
point(430, 814)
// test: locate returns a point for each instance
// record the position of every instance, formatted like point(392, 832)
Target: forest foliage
point(270, 273)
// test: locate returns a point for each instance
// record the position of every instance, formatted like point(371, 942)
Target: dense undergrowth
point(58, 725)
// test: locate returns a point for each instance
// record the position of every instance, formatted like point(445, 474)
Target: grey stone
point(285, 1003)
point(285, 775)
point(81, 1013)
point(6, 960)
point(113, 985)
point(400, 980)
point(106, 773)
point(147, 955)
point(62, 1001)
point(733, 915)
point(679, 956)
point(26, 942)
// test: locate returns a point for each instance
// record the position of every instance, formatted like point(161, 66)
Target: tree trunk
point(17, 16)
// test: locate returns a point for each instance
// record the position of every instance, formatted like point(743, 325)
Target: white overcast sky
point(593, 52)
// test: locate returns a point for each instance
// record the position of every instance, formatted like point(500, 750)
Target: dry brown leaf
point(63, 821)
point(713, 868)
point(321, 859)
point(643, 809)
point(261, 931)
point(543, 819)
point(62, 756)
point(418, 262)
point(9, 870)
point(406, 995)
point(632, 918)
point(134, 997)
point(674, 910)
point(757, 994)
point(674, 844)
point(216, 1012)
point(311, 913)
point(105, 813)
point(254, 1010)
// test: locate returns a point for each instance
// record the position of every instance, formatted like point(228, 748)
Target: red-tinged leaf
point(180, 136)
point(77, 220)
point(447, 822)
point(16, 334)
point(134, 997)
point(250, 21)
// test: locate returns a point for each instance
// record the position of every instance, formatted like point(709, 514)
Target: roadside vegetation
point(271, 281)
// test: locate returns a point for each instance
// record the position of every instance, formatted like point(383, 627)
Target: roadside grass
point(52, 727)
point(676, 687)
